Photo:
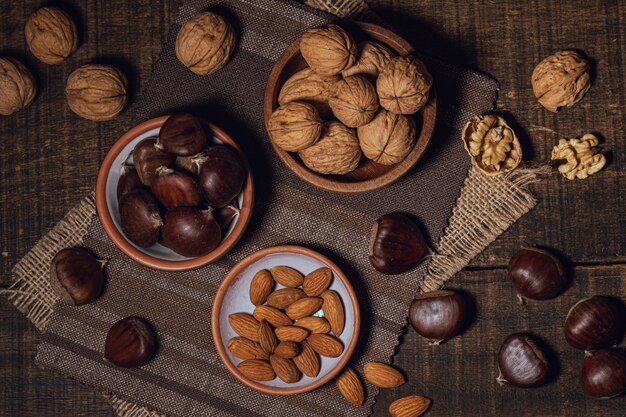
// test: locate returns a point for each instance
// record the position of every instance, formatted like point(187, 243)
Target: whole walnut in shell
point(295, 126)
point(309, 86)
point(17, 86)
point(389, 138)
point(403, 85)
point(337, 151)
point(205, 43)
point(561, 80)
point(328, 49)
point(51, 35)
point(372, 58)
point(354, 101)
point(96, 92)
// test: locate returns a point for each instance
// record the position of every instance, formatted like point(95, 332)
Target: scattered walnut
point(582, 155)
point(96, 92)
point(51, 35)
point(337, 151)
point(17, 86)
point(354, 101)
point(205, 43)
point(372, 58)
point(388, 138)
point(295, 126)
point(309, 86)
point(492, 144)
point(328, 49)
point(403, 85)
point(561, 80)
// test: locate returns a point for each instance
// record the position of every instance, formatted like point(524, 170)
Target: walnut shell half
point(372, 58)
point(389, 138)
point(295, 126)
point(17, 86)
point(337, 151)
point(51, 35)
point(328, 49)
point(309, 86)
point(403, 85)
point(96, 92)
point(354, 101)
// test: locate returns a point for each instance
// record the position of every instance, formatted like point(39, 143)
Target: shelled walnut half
point(582, 155)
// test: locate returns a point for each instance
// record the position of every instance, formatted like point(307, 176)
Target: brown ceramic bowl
point(158, 256)
point(233, 297)
point(369, 175)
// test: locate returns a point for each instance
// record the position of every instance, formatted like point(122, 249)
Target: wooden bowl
point(233, 297)
point(369, 175)
point(158, 256)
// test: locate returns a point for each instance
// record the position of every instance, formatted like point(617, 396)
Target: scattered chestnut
point(130, 343)
point(603, 374)
point(129, 181)
point(140, 218)
point(76, 276)
point(147, 158)
point(594, 323)
point(226, 215)
point(397, 244)
point(182, 134)
point(437, 315)
point(190, 232)
point(175, 189)
point(522, 363)
point(222, 175)
point(536, 274)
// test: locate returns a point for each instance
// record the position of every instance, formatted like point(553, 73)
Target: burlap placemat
point(187, 377)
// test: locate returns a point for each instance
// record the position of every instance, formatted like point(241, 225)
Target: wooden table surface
point(49, 159)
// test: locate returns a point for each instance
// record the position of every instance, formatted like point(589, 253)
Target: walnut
point(354, 101)
point(309, 86)
point(51, 35)
point(403, 85)
point(582, 156)
point(328, 49)
point(337, 151)
point(17, 86)
point(295, 126)
point(205, 43)
point(388, 138)
point(372, 58)
point(96, 92)
point(492, 144)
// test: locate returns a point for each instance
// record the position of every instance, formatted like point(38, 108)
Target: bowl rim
point(230, 277)
point(148, 260)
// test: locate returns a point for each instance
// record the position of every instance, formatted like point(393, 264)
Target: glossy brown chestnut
point(130, 343)
point(222, 175)
point(140, 218)
point(594, 323)
point(437, 315)
point(522, 363)
point(76, 276)
point(536, 274)
point(147, 158)
point(603, 374)
point(129, 181)
point(397, 244)
point(190, 232)
point(226, 215)
point(175, 189)
point(182, 134)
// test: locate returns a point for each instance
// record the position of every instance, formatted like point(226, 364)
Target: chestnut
point(76, 276)
point(397, 244)
point(226, 215)
point(190, 232)
point(130, 343)
point(140, 218)
point(175, 189)
point(191, 163)
point(182, 134)
point(437, 315)
point(129, 181)
point(594, 323)
point(522, 363)
point(147, 158)
point(222, 175)
point(603, 374)
point(536, 274)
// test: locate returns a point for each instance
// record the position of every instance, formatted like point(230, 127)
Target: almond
point(286, 276)
point(304, 307)
point(325, 345)
point(383, 375)
point(307, 360)
point(285, 369)
point(351, 387)
point(244, 325)
point(273, 315)
point(314, 324)
point(291, 333)
point(287, 349)
point(317, 282)
point(411, 406)
point(267, 337)
point(243, 348)
point(257, 369)
point(333, 311)
point(285, 296)
point(260, 287)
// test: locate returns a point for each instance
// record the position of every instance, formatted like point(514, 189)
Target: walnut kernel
point(51, 35)
point(387, 139)
point(17, 86)
point(295, 126)
point(309, 86)
point(583, 157)
point(372, 58)
point(337, 151)
point(403, 85)
point(96, 92)
point(354, 101)
point(328, 49)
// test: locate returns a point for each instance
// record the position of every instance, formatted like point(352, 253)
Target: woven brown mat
point(187, 377)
